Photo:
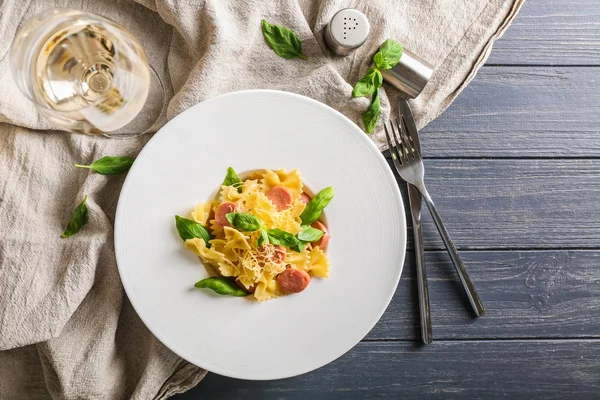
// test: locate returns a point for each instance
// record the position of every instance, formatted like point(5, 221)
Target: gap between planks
point(483, 339)
point(542, 65)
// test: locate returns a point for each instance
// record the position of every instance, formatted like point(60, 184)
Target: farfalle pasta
point(264, 236)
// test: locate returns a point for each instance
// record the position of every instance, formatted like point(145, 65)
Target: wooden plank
point(445, 370)
point(527, 294)
point(515, 204)
point(552, 32)
point(521, 112)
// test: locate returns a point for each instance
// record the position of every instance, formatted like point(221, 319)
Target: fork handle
point(458, 264)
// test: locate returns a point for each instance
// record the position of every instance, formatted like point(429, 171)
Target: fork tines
point(400, 143)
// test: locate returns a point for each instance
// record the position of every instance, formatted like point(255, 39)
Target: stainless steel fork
point(409, 164)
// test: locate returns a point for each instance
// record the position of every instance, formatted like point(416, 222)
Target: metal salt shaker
point(347, 30)
point(410, 75)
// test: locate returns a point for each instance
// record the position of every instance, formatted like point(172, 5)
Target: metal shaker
point(347, 30)
point(410, 75)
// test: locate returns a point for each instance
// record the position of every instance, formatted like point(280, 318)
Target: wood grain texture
point(527, 294)
point(521, 112)
point(514, 204)
point(552, 32)
point(445, 370)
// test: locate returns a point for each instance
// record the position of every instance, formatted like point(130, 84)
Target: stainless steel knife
point(407, 120)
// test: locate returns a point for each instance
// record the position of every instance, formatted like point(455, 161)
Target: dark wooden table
point(514, 167)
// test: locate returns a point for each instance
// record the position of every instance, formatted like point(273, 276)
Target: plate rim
point(366, 141)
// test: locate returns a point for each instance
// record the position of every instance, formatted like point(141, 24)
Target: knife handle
point(414, 198)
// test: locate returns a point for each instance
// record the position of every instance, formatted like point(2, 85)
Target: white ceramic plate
point(185, 163)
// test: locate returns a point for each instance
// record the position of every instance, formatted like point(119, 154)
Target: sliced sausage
point(222, 211)
point(277, 257)
point(304, 198)
point(324, 241)
point(281, 197)
point(293, 280)
point(251, 289)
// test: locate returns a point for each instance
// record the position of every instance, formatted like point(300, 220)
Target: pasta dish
point(265, 236)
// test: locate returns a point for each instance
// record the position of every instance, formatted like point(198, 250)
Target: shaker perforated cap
point(347, 30)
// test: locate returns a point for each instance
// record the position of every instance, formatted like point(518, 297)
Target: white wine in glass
point(85, 73)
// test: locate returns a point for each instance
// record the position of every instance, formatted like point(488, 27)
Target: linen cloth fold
point(67, 329)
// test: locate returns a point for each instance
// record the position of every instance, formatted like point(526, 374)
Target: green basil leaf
point(298, 247)
point(222, 285)
point(388, 55)
point(263, 238)
point(189, 229)
point(285, 239)
point(110, 165)
point(368, 84)
point(371, 115)
point(244, 222)
point(78, 219)
point(309, 234)
point(315, 206)
point(232, 179)
point(282, 40)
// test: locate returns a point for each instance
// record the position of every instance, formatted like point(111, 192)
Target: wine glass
point(86, 74)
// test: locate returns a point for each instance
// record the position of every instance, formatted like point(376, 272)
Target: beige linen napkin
point(67, 329)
